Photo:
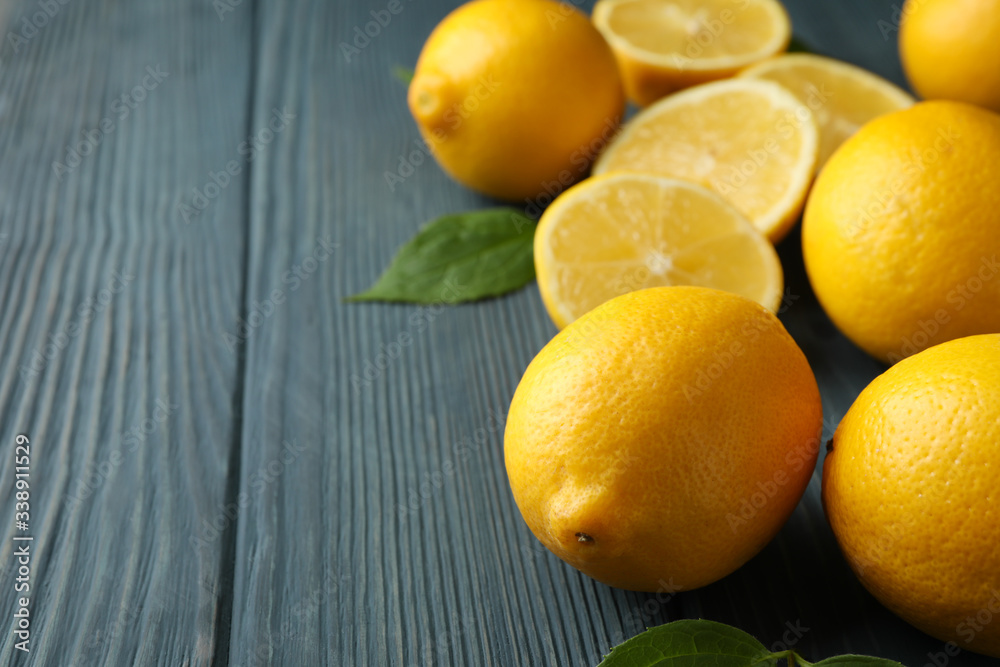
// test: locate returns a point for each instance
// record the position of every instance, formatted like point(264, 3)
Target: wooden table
point(230, 465)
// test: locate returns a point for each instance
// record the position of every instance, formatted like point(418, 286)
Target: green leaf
point(709, 644)
point(856, 661)
point(460, 257)
point(404, 74)
point(690, 643)
point(798, 46)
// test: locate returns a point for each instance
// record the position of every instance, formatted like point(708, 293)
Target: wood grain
point(132, 413)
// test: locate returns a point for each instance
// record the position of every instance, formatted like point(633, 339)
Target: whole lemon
point(663, 438)
point(901, 233)
point(515, 98)
point(951, 49)
point(911, 486)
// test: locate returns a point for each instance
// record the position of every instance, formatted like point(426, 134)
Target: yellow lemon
point(951, 49)
point(516, 97)
point(653, 231)
point(749, 140)
point(841, 96)
point(911, 485)
point(665, 436)
point(665, 45)
point(901, 234)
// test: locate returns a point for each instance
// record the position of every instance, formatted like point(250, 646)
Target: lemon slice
point(749, 140)
point(841, 96)
point(622, 232)
point(666, 45)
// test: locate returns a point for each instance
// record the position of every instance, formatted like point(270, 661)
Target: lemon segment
point(749, 140)
point(623, 232)
point(665, 45)
point(841, 96)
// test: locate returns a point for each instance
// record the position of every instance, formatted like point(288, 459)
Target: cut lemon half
point(749, 140)
point(665, 45)
point(623, 232)
point(841, 96)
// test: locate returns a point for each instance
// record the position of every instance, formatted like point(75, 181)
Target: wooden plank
point(385, 532)
point(113, 362)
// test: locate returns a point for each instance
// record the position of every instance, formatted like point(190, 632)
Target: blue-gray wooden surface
point(229, 465)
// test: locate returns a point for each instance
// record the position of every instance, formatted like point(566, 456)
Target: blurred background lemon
point(901, 233)
point(951, 49)
point(516, 97)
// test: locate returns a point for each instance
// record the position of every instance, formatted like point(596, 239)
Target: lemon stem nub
point(426, 101)
point(584, 537)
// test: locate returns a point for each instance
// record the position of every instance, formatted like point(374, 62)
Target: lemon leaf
point(403, 74)
point(796, 45)
point(700, 643)
point(856, 661)
point(460, 257)
point(690, 643)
